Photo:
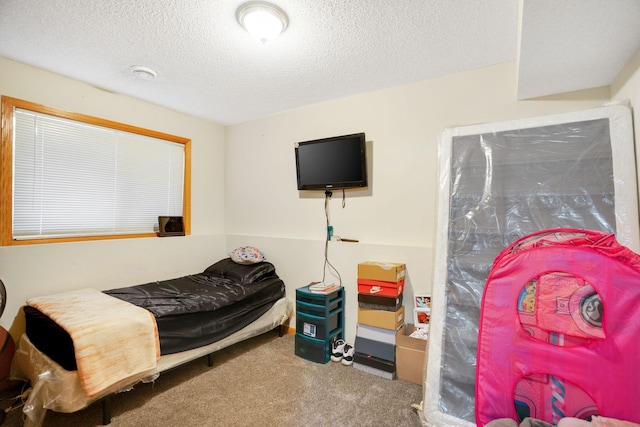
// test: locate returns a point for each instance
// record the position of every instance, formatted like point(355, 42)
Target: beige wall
point(627, 88)
point(244, 188)
point(44, 269)
point(395, 219)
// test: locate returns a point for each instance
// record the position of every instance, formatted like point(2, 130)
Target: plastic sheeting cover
point(502, 181)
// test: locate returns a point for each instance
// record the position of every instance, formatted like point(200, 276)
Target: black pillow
point(242, 273)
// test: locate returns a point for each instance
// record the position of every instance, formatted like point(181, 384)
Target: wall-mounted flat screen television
point(332, 163)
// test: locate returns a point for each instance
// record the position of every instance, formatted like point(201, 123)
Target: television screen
point(332, 163)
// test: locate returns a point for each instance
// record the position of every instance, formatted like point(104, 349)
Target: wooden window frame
point(8, 106)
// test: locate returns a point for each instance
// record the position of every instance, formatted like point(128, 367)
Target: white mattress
point(480, 215)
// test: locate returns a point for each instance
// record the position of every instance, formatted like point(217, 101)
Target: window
point(69, 177)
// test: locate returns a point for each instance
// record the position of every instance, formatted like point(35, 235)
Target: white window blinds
point(76, 179)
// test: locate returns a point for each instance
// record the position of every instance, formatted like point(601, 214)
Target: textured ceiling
point(571, 45)
point(208, 66)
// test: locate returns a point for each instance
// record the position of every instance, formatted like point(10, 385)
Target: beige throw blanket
point(113, 339)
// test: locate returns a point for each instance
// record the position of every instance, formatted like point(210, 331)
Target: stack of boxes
point(380, 316)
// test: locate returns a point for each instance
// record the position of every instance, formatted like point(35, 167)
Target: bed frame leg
point(210, 359)
point(106, 410)
point(281, 331)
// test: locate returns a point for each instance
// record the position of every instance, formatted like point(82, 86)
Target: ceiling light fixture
point(144, 73)
point(262, 20)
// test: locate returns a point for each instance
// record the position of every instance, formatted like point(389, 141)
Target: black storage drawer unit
point(314, 350)
point(319, 322)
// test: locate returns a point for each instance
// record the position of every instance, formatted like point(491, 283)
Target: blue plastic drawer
point(314, 350)
point(317, 310)
point(304, 295)
point(316, 326)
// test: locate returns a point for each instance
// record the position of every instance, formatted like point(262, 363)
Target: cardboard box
point(381, 319)
point(374, 371)
point(374, 362)
point(381, 350)
point(383, 271)
point(377, 287)
point(411, 354)
point(376, 302)
point(376, 334)
point(394, 302)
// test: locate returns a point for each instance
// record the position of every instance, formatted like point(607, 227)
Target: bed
point(181, 319)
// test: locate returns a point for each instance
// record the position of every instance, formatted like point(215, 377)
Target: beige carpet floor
point(259, 382)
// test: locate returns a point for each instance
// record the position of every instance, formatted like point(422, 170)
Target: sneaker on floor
point(337, 349)
point(347, 354)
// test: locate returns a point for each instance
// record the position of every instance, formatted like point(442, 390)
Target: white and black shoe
point(347, 354)
point(337, 349)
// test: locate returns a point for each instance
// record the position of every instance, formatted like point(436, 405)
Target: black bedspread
point(190, 294)
point(196, 310)
point(190, 311)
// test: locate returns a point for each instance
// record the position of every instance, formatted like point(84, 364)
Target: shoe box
point(377, 302)
point(375, 350)
point(378, 349)
point(379, 372)
point(411, 355)
point(375, 365)
point(386, 336)
point(378, 287)
point(381, 318)
point(381, 271)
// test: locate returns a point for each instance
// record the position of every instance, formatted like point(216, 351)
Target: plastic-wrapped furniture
point(498, 183)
